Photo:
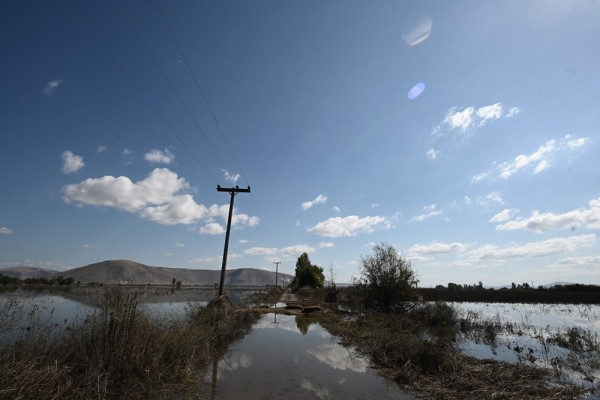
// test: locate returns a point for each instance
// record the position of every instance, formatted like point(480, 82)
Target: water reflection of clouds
point(320, 393)
point(338, 357)
point(284, 322)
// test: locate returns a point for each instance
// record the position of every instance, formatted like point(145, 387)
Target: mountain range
point(133, 273)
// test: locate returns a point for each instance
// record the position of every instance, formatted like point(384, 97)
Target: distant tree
point(178, 285)
point(387, 279)
point(440, 287)
point(513, 286)
point(307, 274)
point(454, 286)
point(480, 286)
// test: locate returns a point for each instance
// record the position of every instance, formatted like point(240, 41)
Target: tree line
point(55, 280)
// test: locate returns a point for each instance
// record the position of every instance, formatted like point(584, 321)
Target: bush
point(387, 280)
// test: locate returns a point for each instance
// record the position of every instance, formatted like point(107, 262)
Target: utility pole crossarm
point(232, 192)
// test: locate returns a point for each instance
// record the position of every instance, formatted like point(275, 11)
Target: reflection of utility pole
point(276, 268)
point(232, 192)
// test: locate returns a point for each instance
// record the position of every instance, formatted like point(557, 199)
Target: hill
point(130, 272)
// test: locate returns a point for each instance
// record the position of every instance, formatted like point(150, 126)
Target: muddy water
point(289, 357)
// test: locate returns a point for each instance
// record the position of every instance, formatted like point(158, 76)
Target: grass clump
point(118, 352)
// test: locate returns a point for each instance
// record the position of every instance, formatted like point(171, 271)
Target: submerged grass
point(118, 352)
point(418, 349)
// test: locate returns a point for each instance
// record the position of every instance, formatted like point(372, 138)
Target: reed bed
point(117, 352)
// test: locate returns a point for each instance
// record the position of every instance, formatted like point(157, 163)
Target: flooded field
point(294, 357)
point(561, 337)
point(287, 357)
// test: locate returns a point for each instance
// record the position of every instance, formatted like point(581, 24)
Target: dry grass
point(417, 349)
point(118, 353)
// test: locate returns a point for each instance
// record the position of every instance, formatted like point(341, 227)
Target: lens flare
point(417, 32)
point(416, 90)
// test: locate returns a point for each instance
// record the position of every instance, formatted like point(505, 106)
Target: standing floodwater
point(294, 358)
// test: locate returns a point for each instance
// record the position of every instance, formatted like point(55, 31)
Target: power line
point(187, 109)
point(210, 110)
point(135, 87)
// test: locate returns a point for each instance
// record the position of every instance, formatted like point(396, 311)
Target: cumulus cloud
point(71, 162)
point(51, 86)
point(159, 197)
point(436, 248)
point(212, 228)
point(320, 199)
point(346, 226)
point(324, 245)
point(539, 160)
point(229, 177)
point(589, 262)
point(336, 209)
point(430, 212)
point(546, 248)
point(432, 154)
point(486, 113)
point(297, 250)
point(159, 157)
point(512, 112)
point(261, 251)
point(6, 231)
point(544, 222)
point(504, 215)
point(471, 118)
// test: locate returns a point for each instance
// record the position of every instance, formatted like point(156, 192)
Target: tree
point(387, 279)
point(307, 274)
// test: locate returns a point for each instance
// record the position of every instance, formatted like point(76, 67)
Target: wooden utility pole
point(232, 192)
point(276, 268)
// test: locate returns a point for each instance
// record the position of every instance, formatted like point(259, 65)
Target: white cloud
point(261, 251)
point(521, 161)
point(430, 212)
point(469, 119)
point(101, 149)
point(244, 241)
point(490, 199)
point(178, 210)
point(229, 177)
point(320, 199)
point(6, 231)
point(51, 86)
point(512, 112)
point(336, 209)
point(486, 113)
point(324, 245)
point(539, 159)
point(436, 248)
point(159, 157)
point(157, 198)
point(576, 143)
point(158, 187)
point(212, 228)
point(347, 226)
point(546, 248)
point(432, 154)
point(71, 162)
point(459, 119)
point(88, 246)
point(297, 250)
point(504, 215)
point(179, 244)
point(590, 262)
point(544, 222)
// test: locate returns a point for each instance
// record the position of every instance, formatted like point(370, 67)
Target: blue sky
point(465, 134)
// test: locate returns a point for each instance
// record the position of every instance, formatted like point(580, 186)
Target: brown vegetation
point(117, 352)
point(418, 350)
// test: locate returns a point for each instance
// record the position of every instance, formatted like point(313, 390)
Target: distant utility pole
point(232, 192)
point(276, 268)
